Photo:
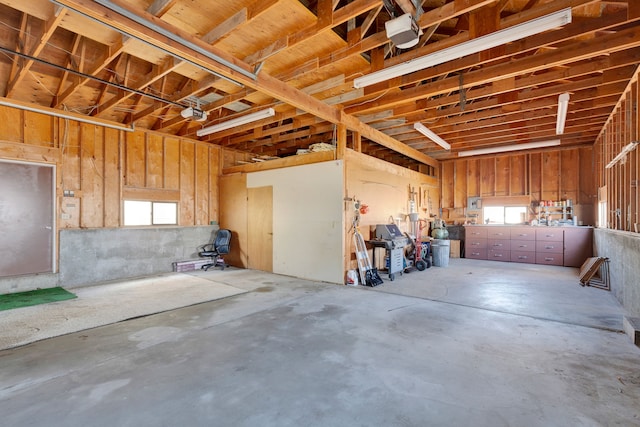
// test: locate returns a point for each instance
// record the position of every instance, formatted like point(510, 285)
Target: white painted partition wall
point(308, 232)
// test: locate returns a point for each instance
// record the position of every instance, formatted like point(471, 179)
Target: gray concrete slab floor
point(426, 350)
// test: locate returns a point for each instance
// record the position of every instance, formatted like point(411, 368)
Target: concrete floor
point(474, 344)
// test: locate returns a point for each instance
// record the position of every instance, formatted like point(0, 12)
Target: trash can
point(440, 249)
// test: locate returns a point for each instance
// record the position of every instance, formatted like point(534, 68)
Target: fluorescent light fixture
point(523, 146)
point(259, 115)
point(64, 114)
point(431, 135)
point(563, 106)
point(479, 44)
point(625, 150)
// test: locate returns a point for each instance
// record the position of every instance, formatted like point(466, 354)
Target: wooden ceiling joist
point(144, 67)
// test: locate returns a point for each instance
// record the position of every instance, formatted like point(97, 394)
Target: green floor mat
point(40, 296)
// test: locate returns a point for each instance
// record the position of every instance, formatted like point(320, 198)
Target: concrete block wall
point(91, 256)
point(623, 249)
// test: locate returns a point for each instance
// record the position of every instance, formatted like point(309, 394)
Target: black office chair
point(220, 246)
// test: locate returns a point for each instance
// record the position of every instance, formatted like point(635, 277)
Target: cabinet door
point(578, 245)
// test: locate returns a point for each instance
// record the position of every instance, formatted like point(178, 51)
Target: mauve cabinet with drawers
point(476, 242)
point(568, 246)
point(578, 245)
point(523, 244)
point(549, 246)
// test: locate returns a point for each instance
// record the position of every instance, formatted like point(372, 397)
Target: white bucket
point(352, 278)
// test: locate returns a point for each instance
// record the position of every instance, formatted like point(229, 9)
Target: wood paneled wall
point(544, 175)
point(619, 186)
point(385, 189)
point(97, 168)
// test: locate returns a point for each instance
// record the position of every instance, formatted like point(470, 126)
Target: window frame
point(504, 214)
point(152, 220)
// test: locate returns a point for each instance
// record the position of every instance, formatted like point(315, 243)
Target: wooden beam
point(357, 142)
point(324, 13)
point(160, 7)
point(77, 82)
point(407, 6)
point(435, 16)
point(369, 20)
point(633, 9)
point(20, 47)
point(336, 18)
point(530, 5)
point(490, 117)
point(158, 72)
point(385, 140)
point(320, 156)
point(50, 27)
point(341, 141)
point(256, 9)
point(266, 52)
point(617, 62)
point(607, 44)
point(265, 83)
point(224, 29)
point(136, 193)
point(71, 62)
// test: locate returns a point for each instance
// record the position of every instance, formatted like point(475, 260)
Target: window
point(504, 214)
point(602, 214)
point(603, 218)
point(138, 212)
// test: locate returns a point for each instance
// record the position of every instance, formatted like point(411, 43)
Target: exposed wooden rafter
point(305, 56)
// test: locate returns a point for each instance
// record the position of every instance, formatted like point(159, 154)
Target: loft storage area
point(253, 181)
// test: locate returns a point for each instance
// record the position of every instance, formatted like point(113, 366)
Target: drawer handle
point(497, 245)
point(523, 246)
point(522, 257)
point(497, 255)
point(475, 244)
point(523, 235)
point(475, 253)
point(548, 259)
point(548, 235)
point(549, 247)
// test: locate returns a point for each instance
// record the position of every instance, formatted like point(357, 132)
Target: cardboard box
point(454, 250)
point(190, 265)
